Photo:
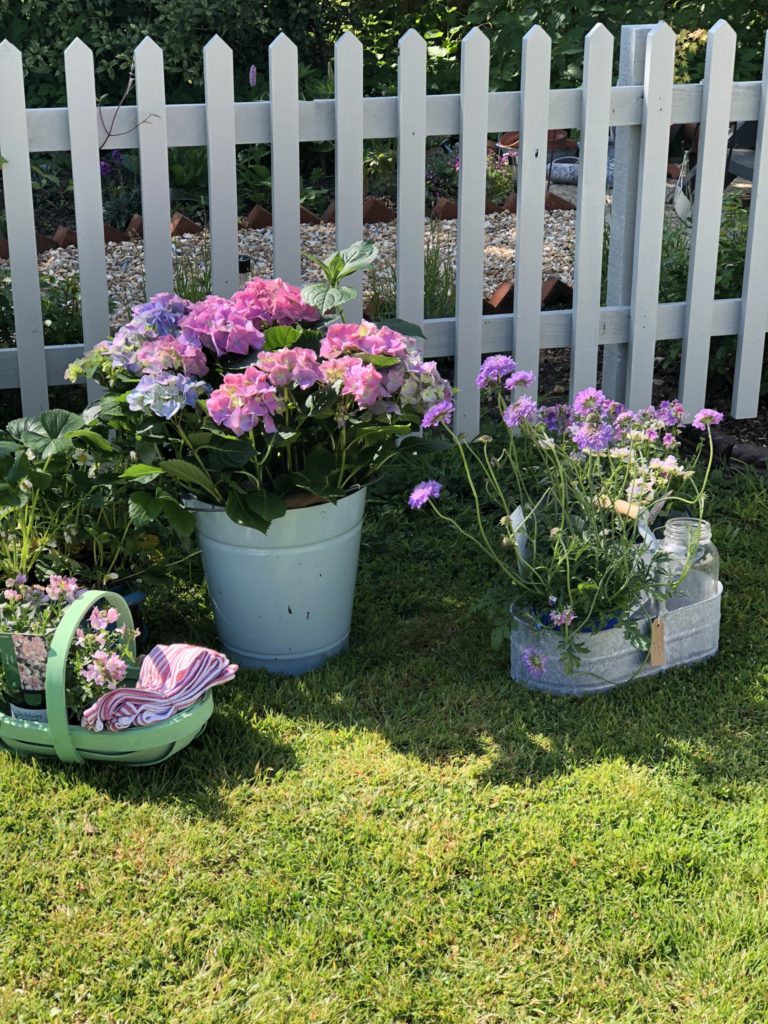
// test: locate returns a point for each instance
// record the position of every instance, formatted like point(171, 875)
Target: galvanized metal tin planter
point(691, 634)
point(73, 744)
point(283, 599)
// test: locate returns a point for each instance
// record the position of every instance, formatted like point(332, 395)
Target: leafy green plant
point(439, 283)
point(60, 303)
point(254, 176)
point(673, 284)
point(192, 271)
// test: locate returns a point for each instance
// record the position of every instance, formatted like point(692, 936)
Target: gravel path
point(125, 271)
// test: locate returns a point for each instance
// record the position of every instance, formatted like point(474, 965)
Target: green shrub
point(60, 300)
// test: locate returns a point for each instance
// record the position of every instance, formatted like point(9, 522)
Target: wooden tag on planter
point(658, 654)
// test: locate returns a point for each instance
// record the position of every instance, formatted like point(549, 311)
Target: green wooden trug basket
point(140, 745)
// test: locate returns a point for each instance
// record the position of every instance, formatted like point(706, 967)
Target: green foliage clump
point(60, 300)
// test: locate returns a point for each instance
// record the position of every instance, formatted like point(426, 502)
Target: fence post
point(626, 166)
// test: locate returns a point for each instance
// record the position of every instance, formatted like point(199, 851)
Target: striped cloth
point(172, 678)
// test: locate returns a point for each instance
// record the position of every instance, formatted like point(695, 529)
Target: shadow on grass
point(420, 671)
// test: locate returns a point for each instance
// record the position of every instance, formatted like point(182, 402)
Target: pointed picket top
point(216, 46)
point(412, 42)
point(662, 34)
point(537, 45)
point(77, 50)
point(348, 43)
point(722, 29)
point(282, 44)
point(598, 39)
point(475, 41)
point(147, 48)
point(8, 49)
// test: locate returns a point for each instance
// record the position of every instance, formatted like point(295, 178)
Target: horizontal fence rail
point(642, 107)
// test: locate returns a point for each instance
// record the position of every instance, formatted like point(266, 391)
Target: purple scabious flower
point(592, 437)
point(556, 418)
point(589, 400)
point(670, 413)
point(164, 394)
point(427, 490)
point(493, 369)
point(523, 410)
point(706, 418)
point(519, 379)
point(535, 662)
point(441, 412)
point(163, 312)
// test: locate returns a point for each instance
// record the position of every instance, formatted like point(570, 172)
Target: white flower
point(26, 484)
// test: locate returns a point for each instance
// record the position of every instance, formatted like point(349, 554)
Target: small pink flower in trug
point(65, 587)
point(11, 595)
point(100, 619)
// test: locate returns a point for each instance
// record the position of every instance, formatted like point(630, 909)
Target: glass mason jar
point(691, 566)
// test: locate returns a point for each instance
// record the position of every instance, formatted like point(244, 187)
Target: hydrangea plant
point(575, 489)
point(263, 400)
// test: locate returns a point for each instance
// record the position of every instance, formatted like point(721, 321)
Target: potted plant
point(564, 499)
point(266, 415)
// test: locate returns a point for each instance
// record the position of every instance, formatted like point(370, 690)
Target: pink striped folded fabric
point(171, 678)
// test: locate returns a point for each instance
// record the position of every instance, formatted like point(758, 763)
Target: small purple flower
point(668, 440)
point(589, 400)
point(252, 76)
point(427, 490)
point(556, 418)
point(105, 167)
point(535, 662)
point(523, 410)
point(116, 157)
point(520, 379)
point(493, 369)
point(441, 412)
point(670, 413)
point(592, 437)
point(707, 418)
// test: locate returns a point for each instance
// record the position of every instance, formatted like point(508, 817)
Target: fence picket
point(86, 180)
point(707, 211)
point(286, 185)
point(590, 207)
point(153, 166)
point(531, 187)
point(651, 197)
point(20, 226)
point(470, 226)
point(348, 92)
point(222, 173)
point(411, 140)
point(753, 322)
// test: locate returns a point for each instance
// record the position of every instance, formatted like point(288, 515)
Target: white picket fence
point(641, 107)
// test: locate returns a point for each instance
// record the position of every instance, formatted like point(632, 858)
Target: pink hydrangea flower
point(364, 337)
point(271, 303)
point(297, 365)
point(244, 400)
point(362, 382)
point(220, 325)
point(177, 354)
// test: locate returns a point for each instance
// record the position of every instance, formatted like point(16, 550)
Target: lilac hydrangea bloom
point(707, 418)
point(441, 412)
point(427, 490)
point(164, 394)
point(524, 409)
point(535, 662)
point(163, 312)
point(493, 369)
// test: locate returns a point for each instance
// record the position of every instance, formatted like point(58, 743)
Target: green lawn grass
point(408, 836)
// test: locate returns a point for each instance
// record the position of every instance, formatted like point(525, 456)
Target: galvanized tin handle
point(56, 668)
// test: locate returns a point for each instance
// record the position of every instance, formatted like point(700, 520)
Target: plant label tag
point(658, 654)
point(518, 529)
